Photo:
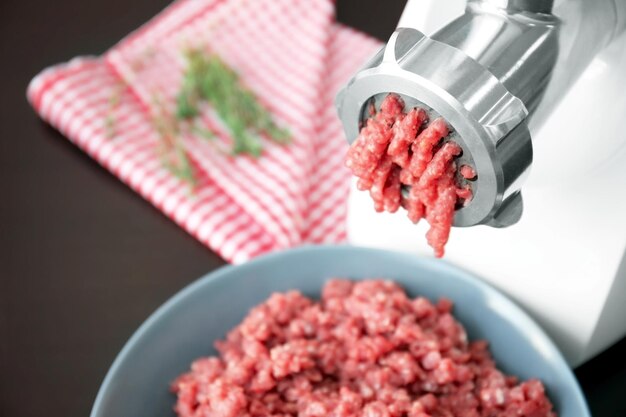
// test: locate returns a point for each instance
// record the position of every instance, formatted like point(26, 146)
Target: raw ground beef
point(364, 350)
point(395, 149)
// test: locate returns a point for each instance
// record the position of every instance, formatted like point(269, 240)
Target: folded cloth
point(290, 54)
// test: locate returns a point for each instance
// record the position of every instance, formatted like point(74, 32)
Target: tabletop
point(83, 259)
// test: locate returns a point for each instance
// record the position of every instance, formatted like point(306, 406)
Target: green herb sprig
point(174, 156)
point(207, 78)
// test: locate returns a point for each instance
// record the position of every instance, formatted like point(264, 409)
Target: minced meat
point(397, 148)
point(365, 350)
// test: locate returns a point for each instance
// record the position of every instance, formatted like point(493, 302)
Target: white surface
point(562, 260)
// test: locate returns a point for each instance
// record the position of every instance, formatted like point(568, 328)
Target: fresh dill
point(208, 79)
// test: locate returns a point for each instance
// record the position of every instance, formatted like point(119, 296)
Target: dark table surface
point(84, 260)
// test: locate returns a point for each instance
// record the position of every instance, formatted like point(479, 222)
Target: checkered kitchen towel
point(290, 53)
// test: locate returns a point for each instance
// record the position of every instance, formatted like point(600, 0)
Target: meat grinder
point(524, 84)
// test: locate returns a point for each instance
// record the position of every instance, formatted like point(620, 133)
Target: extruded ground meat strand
point(365, 350)
point(440, 214)
point(467, 172)
point(404, 133)
point(424, 145)
point(395, 149)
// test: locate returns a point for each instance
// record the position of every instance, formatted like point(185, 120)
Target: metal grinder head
point(486, 120)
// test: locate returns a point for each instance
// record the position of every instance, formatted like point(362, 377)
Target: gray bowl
point(186, 326)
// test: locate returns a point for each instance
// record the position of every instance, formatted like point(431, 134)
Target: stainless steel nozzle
point(486, 73)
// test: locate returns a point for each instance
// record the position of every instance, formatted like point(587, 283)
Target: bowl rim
point(517, 314)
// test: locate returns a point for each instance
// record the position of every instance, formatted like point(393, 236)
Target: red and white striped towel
point(293, 56)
